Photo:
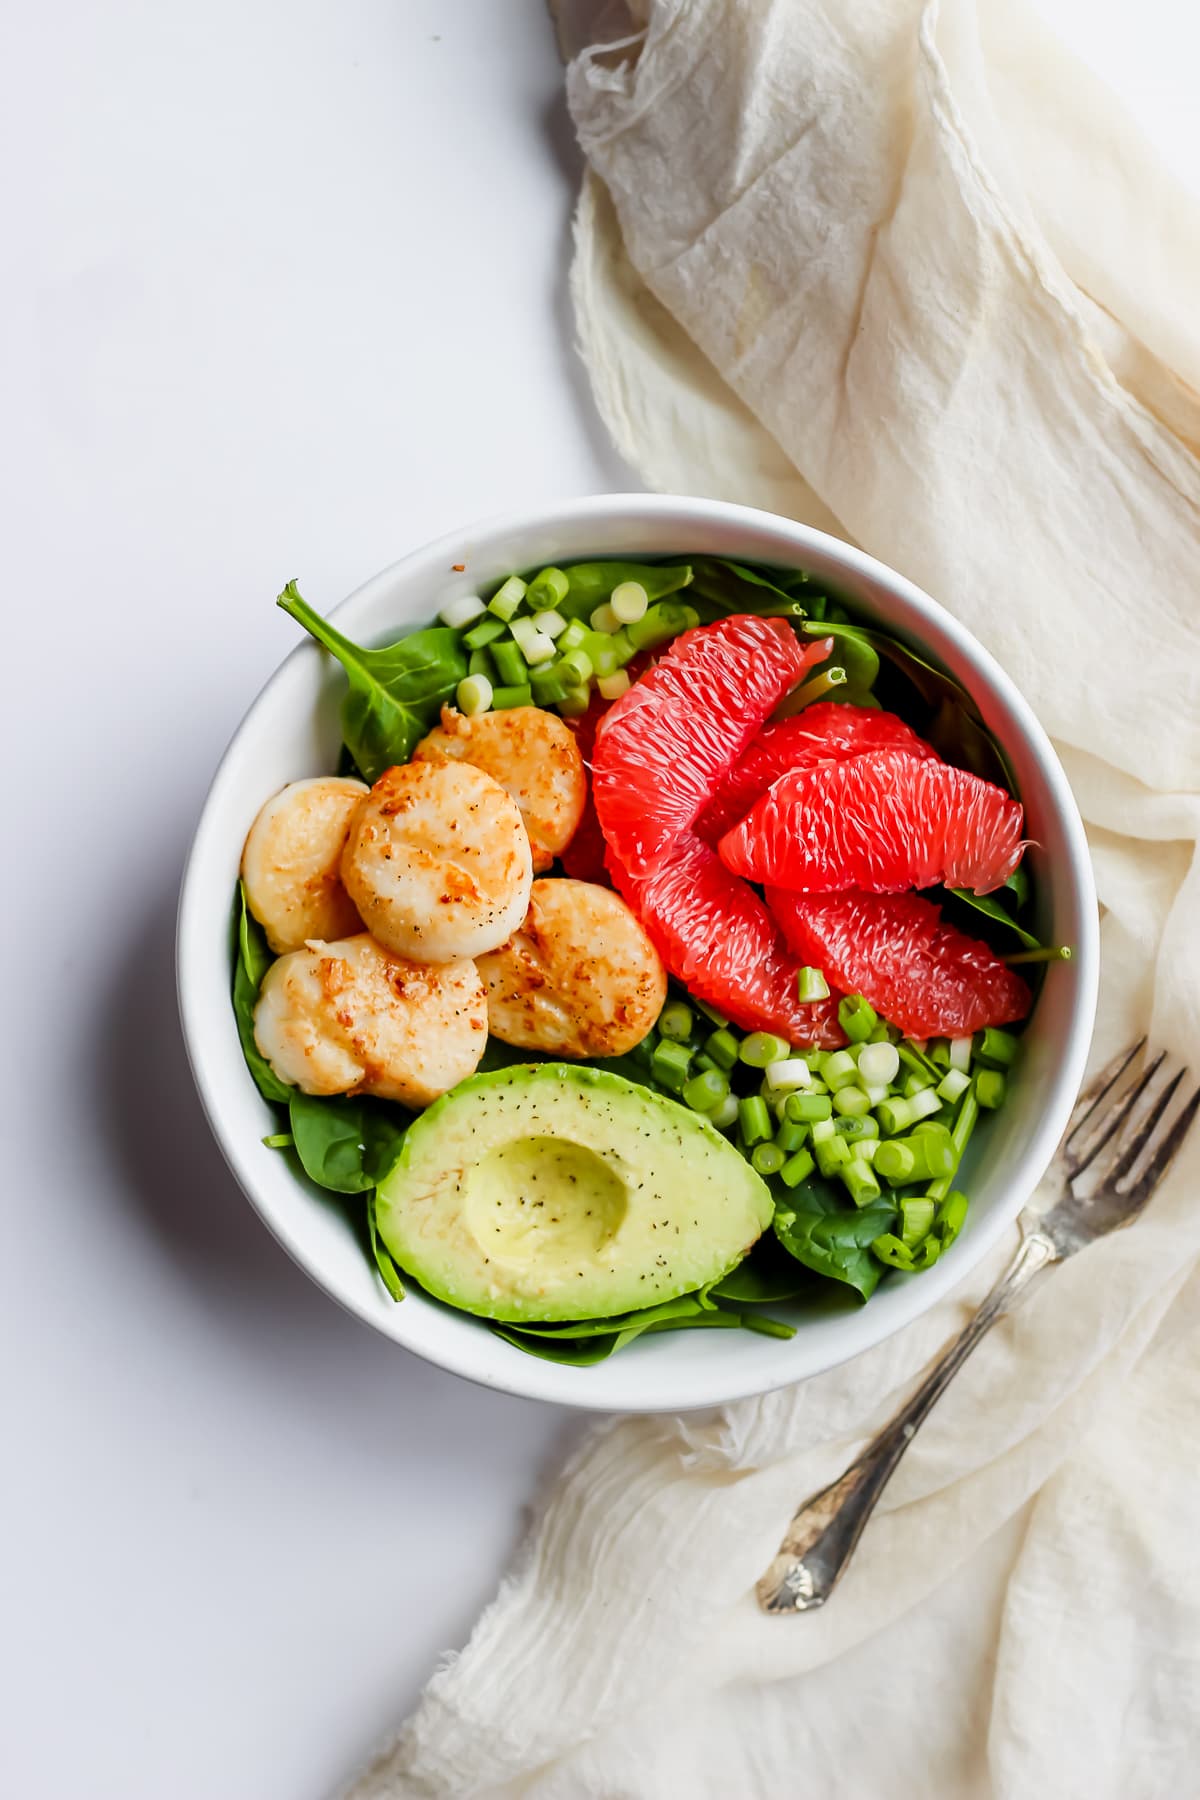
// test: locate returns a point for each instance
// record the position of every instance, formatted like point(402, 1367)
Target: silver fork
point(1125, 1130)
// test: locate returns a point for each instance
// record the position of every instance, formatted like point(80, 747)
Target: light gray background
point(283, 295)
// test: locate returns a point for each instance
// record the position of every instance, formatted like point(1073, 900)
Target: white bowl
point(292, 730)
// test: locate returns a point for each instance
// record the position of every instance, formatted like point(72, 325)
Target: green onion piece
point(629, 602)
point(964, 1125)
point(474, 696)
point(726, 1114)
point(702, 1061)
point(671, 1065)
point(511, 666)
point(573, 637)
point(551, 625)
point(486, 632)
point(924, 1105)
point(865, 1147)
point(951, 1217)
point(831, 1152)
point(953, 1086)
point(548, 589)
point(462, 612)
point(894, 1251)
point(990, 1087)
point(797, 1168)
point(576, 666)
point(576, 703)
point(504, 699)
point(661, 623)
point(535, 646)
point(1044, 953)
point(856, 1128)
point(762, 1048)
point(939, 1053)
point(851, 1102)
point(755, 1120)
point(916, 1084)
point(998, 1047)
point(676, 1021)
point(790, 1137)
point(767, 1159)
point(917, 1063)
point(505, 602)
point(788, 1073)
point(894, 1116)
point(614, 685)
point(896, 1162)
point(641, 1053)
point(857, 1018)
point(878, 1063)
point(705, 1091)
point(809, 691)
point(604, 619)
point(916, 1218)
point(710, 1012)
point(811, 985)
point(480, 663)
point(804, 1109)
point(548, 686)
point(723, 1047)
point(279, 1140)
point(960, 1052)
point(840, 1070)
point(859, 1178)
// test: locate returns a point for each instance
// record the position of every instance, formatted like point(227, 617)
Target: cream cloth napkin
point(902, 270)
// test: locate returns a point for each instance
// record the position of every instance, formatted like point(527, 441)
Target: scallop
point(533, 756)
point(437, 862)
point(580, 978)
point(351, 1018)
point(290, 863)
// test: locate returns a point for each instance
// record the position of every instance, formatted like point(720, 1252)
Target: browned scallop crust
point(580, 978)
point(291, 859)
point(533, 756)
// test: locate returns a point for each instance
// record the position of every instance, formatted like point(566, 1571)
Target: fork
point(1122, 1136)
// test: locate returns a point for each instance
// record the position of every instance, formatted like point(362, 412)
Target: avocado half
point(547, 1191)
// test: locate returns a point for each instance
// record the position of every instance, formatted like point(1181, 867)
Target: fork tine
point(1137, 1132)
point(1099, 1086)
point(1164, 1154)
point(1079, 1154)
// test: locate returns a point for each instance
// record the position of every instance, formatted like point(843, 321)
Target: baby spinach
point(252, 960)
point(990, 908)
point(389, 1273)
point(586, 1341)
point(721, 588)
point(834, 1238)
point(762, 1278)
point(346, 1144)
point(591, 583)
point(396, 692)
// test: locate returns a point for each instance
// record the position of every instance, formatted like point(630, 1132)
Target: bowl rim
point(533, 1378)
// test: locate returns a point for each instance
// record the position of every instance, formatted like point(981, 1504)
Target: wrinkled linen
point(903, 271)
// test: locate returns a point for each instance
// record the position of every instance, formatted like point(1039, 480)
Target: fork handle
point(820, 1540)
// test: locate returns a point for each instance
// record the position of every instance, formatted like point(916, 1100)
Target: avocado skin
point(554, 1191)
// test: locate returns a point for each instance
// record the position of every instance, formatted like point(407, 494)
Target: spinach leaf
point(834, 1239)
point(396, 692)
point(764, 1277)
point(588, 1341)
point(251, 962)
point(581, 1353)
point(992, 909)
point(723, 587)
point(591, 583)
point(346, 1144)
point(685, 1306)
point(389, 1273)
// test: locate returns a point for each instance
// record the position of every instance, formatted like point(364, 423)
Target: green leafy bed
point(823, 1250)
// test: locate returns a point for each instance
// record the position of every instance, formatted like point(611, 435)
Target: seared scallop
point(580, 978)
point(291, 861)
point(438, 862)
point(533, 756)
point(351, 1018)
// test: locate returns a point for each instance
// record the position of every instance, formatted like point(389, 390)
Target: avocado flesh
point(550, 1191)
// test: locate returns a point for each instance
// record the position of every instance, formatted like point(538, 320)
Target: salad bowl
point(292, 730)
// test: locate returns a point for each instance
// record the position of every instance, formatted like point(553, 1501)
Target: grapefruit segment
point(662, 749)
point(717, 937)
point(825, 732)
point(884, 822)
point(923, 975)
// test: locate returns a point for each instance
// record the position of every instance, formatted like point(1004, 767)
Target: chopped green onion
point(614, 685)
point(726, 1114)
point(661, 623)
point(960, 1052)
point(576, 667)
point(279, 1140)
point(892, 1250)
point(788, 1072)
point(755, 1119)
point(953, 1085)
point(939, 1053)
point(811, 985)
point(791, 1137)
point(924, 1104)
point(549, 688)
point(474, 695)
point(917, 1063)
point(548, 589)
point(576, 703)
point(574, 637)
point(535, 646)
point(840, 1070)
point(951, 1217)
point(896, 1161)
point(767, 1159)
point(876, 1091)
point(705, 1092)
point(864, 1147)
point(878, 1064)
point(552, 624)
point(629, 602)
point(480, 663)
point(812, 690)
point(670, 1065)
point(831, 1152)
point(505, 602)
point(723, 1047)
point(857, 1018)
point(504, 699)
point(797, 1168)
point(851, 1102)
point(998, 1047)
point(676, 1021)
point(486, 632)
point(762, 1048)
point(894, 1115)
point(856, 1129)
point(964, 1125)
point(511, 666)
point(916, 1218)
point(805, 1109)
point(710, 1012)
point(990, 1087)
point(605, 619)
point(463, 611)
point(859, 1178)
point(916, 1084)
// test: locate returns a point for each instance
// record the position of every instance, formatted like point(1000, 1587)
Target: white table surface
point(284, 294)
